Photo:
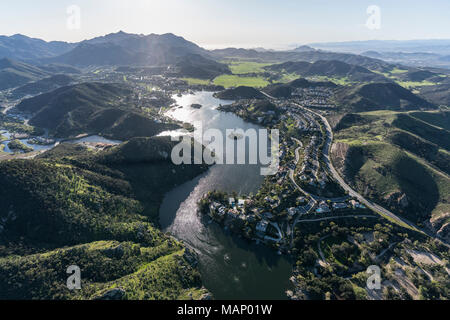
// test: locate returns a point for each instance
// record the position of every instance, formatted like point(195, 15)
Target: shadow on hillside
point(419, 186)
point(355, 159)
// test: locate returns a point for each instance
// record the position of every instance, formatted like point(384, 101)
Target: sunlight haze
point(214, 24)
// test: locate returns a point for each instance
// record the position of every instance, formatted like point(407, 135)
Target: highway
point(375, 207)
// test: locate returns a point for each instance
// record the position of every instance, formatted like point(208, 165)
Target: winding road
point(375, 207)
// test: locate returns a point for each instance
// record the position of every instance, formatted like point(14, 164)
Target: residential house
point(262, 226)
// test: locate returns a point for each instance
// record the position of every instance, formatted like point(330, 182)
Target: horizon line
point(215, 46)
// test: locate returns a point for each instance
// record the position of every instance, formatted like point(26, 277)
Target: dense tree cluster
point(73, 206)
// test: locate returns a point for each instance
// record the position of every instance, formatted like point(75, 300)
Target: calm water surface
point(231, 267)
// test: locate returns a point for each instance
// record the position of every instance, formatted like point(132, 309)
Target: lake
point(231, 267)
point(38, 147)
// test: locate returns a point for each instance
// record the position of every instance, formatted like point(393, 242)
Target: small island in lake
point(17, 145)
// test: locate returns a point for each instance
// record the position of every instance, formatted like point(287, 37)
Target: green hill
point(43, 85)
point(241, 92)
point(14, 73)
point(379, 96)
point(124, 49)
point(22, 47)
point(285, 90)
point(199, 67)
point(57, 68)
point(436, 135)
point(438, 94)
point(439, 119)
point(328, 68)
point(93, 108)
point(72, 206)
point(398, 161)
point(419, 75)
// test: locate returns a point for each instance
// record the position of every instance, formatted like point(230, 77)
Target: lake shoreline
point(231, 267)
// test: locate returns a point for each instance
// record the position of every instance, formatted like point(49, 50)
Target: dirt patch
point(424, 257)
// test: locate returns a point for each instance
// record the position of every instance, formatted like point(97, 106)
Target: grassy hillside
point(440, 119)
point(233, 80)
point(142, 271)
point(251, 110)
point(199, 67)
point(246, 67)
point(94, 108)
point(241, 92)
point(97, 210)
point(438, 93)
point(285, 90)
point(329, 68)
point(43, 85)
point(379, 96)
point(398, 161)
point(14, 73)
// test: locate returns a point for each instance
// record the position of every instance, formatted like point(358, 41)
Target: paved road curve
point(375, 207)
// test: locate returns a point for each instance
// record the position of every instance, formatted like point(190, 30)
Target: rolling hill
point(401, 161)
point(197, 66)
point(241, 92)
point(42, 86)
point(100, 54)
point(56, 68)
point(438, 94)
point(330, 68)
point(130, 49)
point(73, 206)
point(378, 96)
point(20, 47)
point(14, 73)
point(94, 108)
point(285, 90)
point(308, 56)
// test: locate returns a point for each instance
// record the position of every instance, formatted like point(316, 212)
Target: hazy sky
point(244, 23)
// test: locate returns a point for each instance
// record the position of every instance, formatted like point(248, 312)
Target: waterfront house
point(339, 205)
point(262, 226)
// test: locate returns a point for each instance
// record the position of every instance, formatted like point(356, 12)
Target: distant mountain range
point(145, 50)
point(168, 49)
point(21, 47)
point(130, 49)
point(412, 52)
point(302, 54)
point(113, 49)
point(29, 64)
point(437, 46)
